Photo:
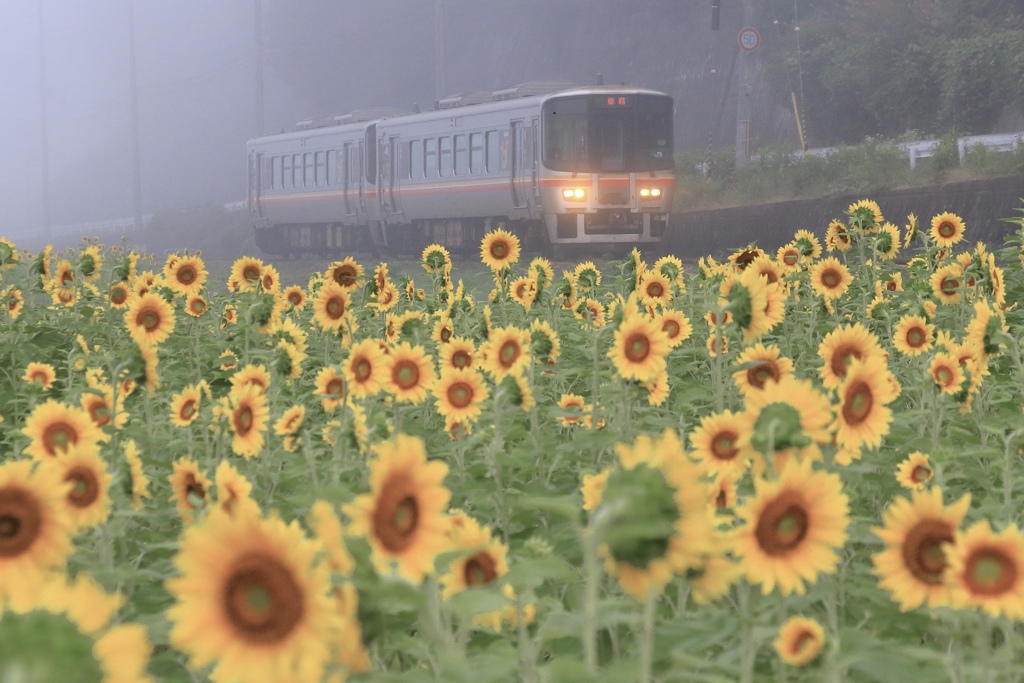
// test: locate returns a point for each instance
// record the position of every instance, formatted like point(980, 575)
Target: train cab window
point(461, 155)
point(491, 141)
point(430, 158)
point(444, 156)
point(320, 169)
point(415, 159)
point(476, 153)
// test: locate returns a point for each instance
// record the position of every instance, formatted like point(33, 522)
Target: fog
point(65, 75)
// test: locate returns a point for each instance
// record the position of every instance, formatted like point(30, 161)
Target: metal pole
point(44, 131)
point(743, 106)
point(439, 68)
point(136, 163)
point(259, 68)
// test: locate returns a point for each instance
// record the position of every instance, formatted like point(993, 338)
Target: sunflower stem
point(748, 654)
point(592, 576)
point(647, 637)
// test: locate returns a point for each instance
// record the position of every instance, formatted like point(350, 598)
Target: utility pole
point(134, 86)
point(45, 154)
point(439, 69)
point(744, 106)
point(259, 68)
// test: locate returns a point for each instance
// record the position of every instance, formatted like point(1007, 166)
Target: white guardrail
point(921, 149)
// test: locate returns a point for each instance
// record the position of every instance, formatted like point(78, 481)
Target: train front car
point(606, 170)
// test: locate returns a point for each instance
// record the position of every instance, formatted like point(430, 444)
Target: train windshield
point(608, 133)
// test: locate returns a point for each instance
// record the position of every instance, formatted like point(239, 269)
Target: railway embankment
point(981, 203)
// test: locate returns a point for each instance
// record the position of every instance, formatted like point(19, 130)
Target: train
point(558, 165)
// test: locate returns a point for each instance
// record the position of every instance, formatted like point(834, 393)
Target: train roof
point(475, 102)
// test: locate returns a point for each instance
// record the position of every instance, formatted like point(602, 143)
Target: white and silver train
point(554, 164)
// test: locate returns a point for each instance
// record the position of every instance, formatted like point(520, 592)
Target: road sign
point(749, 39)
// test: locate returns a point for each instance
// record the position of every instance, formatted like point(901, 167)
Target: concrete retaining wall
point(981, 203)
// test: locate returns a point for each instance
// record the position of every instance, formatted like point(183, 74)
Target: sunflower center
point(990, 571)
point(499, 249)
point(915, 337)
point(831, 278)
point(646, 513)
point(149, 320)
point(508, 353)
point(655, 290)
point(949, 285)
point(58, 435)
point(198, 306)
point(186, 275)
point(397, 514)
point(335, 308)
point(803, 640)
point(243, 420)
point(758, 375)
point(480, 570)
point(251, 273)
point(858, 403)
point(783, 524)
point(85, 489)
point(446, 335)
point(460, 394)
point(946, 229)
point(188, 409)
point(363, 369)
point(118, 295)
point(790, 258)
point(922, 550)
point(195, 494)
point(336, 387)
point(406, 375)
point(723, 445)
point(461, 359)
point(841, 358)
point(920, 474)
point(891, 285)
point(99, 413)
point(263, 601)
point(637, 347)
point(21, 521)
point(345, 275)
point(295, 298)
point(944, 375)
point(671, 328)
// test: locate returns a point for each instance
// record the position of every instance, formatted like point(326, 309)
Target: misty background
point(65, 81)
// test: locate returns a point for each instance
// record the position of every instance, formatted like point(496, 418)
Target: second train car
point(555, 165)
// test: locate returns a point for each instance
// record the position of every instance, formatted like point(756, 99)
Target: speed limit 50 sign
point(749, 39)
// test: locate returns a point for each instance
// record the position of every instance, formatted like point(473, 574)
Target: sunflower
point(98, 402)
point(915, 472)
point(758, 365)
point(270, 279)
point(251, 375)
point(459, 394)
point(986, 570)
point(185, 406)
point(657, 389)
point(233, 490)
point(592, 311)
point(506, 352)
point(865, 214)
point(345, 273)
point(807, 244)
point(34, 528)
point(87, 500)
point(296, 296)
point(766, 266)
point(138, 479)
point(658, 523)
point(830, 278)
point(947, 283)
point(718, 445)
point(410, 373)
point(675, 325)
point(185, 275)
point(799, 641)
point(542, 271)
point(837, 237)
point(639, 349)
point(983, 329)
point(713, 578)
point(435, 259)
point(587, 276)
point(524, 291)
point(41, 374)
point(574, 406)
point(862, 418)
point(717, 344)
point(499, 249)
point(189, 488)
point(290, 421)
point(887, 244)
point(741, 258)
point(655, 288)
point(54, 427)
point(387, 297)
point(789, 257)
point(947, 372)
point(247, 410)
point(789, 417)
point(544, 342)
point(403, 515)
point(458, 353)
point(947, 229)
point(913, 335)
point(251, 600)
point(330, 306)
point(330, 384)
point(246, 273)
point(792, 528)
point(443, 330)
point(916, 533)
point(12, 301)
point(149, 319)
point(841, 346)
point(364, 369)
point(195, 305)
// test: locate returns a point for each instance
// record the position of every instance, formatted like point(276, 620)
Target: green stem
point(592, 575)
point(647, 637)
point(749, 652)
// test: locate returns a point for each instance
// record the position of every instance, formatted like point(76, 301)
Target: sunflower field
point(799, 466)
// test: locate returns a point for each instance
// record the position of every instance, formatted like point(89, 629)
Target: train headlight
point(650, 192)
point(577, 194)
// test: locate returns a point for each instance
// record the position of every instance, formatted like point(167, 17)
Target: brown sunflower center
point(335, 387)
point(263, 601)
point(841, 358)
point(363, 369)
point(637, 347)
point(148, 319)
point(461, 359)
point(944, 375)
point(251, 273)
point(509, 353)
point(990, 571)
point(783, 524)
point(446, 335)
point(858, 403)
point(460, 394)
point(791, 258)
point(58, 435)
point(345, 275)
point(268, 282)
point(891, 285)
point(85, 488)
point(98, 412)
point(916, 337)
point(21, 521)
point(188, 409)
point(195, 492)
point(655, 290)
point(949, 285)
point(406, 375)
point(480, 570)
point(295, 298)
point(922, 550)
point(671, 328)
point(920, 474)
point(187, 275)
point(335, 307)
point(499, 249)
point(723, 445)
point(396, 516)
point(118, 295)
point(802, 640)
point(198, 306)
point(946, 229)
point(831, 278)
point(243, 420)
point(758, 375)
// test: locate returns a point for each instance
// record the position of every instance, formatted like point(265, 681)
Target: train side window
point(277, 173)
point(430, 152)
point(286, 173)
point(491, 141)
point(415, 159)
point(307, 169)
point(328, 176)
point(296, 170)
point(503, 151)
point(319, 171)
point(476, 153)
point(461, 155)
point(270, 180)
point(444, 156)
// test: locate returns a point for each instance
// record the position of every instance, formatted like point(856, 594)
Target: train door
point(532, 146)
point(348, 175)
point(394, 163)
point(516, 167)
point(256, 186)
